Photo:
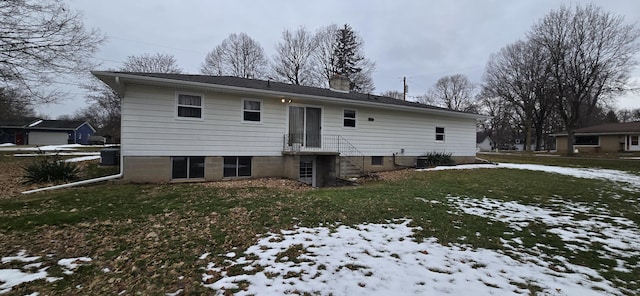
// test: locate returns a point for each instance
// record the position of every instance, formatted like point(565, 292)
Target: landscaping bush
point(50, 169)
point(437, 158)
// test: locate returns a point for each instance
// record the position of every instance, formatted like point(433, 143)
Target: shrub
point(50, 169)
point(437, 158)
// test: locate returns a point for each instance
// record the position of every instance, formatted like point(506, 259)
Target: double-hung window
point(237, 166)
point(189, 105)
point(349, 118)
point(187, 167)
point(251, 110)
point(439, 134)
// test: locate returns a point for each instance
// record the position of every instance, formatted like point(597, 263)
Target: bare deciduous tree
point(591, 54)
point(238, 55)
point(41, 40)
point(519, 74)
point(455, 92)
point(393, 94)
point(293, 60)
point(152, 63)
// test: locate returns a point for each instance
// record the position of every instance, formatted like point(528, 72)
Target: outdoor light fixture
point(285, 100)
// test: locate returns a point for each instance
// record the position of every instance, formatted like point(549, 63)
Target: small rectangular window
point(183, 167)
point(634, 140)
point(349, 118)
point(587, 140)
point(251, 110)
point(237, 166)
point(377, 160)
point(189, 106)
point(440, 134)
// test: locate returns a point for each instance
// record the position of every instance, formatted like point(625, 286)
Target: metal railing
point(324, 143)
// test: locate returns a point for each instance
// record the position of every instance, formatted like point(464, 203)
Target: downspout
point(83, 182)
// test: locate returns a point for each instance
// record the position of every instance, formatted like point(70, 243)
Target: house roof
point(480, 136)
point(39, 124)
point(608, 129)
point(230, 83)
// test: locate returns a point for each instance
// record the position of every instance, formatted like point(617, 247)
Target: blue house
point(46, 132)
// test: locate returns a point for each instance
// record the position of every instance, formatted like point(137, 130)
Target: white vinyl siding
point(147, 130)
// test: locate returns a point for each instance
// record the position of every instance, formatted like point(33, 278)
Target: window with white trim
point(187, 167)
point(251, 110)
point(189, 105)
point(439, 134)
point(349, 118)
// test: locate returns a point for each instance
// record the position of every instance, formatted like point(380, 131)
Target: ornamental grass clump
point(437, 158)
point(47, 169)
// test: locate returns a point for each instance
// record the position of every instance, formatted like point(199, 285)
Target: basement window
point(187, 167)
point(587, 141)
point(237, 166)
point(377, 160)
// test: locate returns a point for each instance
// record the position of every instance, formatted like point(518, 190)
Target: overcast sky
point(422, 39)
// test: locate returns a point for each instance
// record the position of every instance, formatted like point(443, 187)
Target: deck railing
point(324, 143)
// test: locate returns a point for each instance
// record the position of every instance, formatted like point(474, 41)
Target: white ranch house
point(178, 127)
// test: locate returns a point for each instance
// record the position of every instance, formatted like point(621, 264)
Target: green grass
point(150, 236)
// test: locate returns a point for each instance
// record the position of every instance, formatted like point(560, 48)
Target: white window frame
point(443, 134)
point(243, 110)
point(190, 106)
point(355, 118)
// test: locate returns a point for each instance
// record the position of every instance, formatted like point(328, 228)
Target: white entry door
point(308, 170)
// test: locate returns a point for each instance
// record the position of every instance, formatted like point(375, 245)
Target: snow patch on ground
point(383, 259)
point(11, 277)
point(587, 173)
point(579, 225)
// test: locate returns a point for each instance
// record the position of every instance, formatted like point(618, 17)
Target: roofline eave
point(244, 90)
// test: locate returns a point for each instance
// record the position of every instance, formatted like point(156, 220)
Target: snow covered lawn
point(384, 259)
point(502, 229)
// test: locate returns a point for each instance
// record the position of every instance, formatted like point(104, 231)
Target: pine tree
point(349, 61)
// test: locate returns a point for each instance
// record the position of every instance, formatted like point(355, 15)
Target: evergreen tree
point(349, 61)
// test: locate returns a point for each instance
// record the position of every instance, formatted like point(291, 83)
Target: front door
point(634, 145)
point(304, 126)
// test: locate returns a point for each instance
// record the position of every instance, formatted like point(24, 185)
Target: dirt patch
point(276, 183)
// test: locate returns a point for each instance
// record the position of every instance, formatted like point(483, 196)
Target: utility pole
point(404, 88)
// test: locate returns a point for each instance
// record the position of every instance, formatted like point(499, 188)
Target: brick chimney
point(340, 83)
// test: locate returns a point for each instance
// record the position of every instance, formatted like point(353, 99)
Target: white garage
point(48, 138)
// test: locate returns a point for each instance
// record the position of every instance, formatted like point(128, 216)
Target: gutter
point(83, 182)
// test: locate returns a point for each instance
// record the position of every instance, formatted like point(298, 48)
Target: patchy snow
point(57, 153)
point(587, 173)
point(69, 265)
point(595, 226)
point(11, 277)
point(7, 145)
point(383, 259)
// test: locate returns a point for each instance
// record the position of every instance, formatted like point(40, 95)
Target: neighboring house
point(608, 137)
point(484, 142)
point(178, 127)
point(46, 132)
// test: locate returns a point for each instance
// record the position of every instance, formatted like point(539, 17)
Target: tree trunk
point(571, 136)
